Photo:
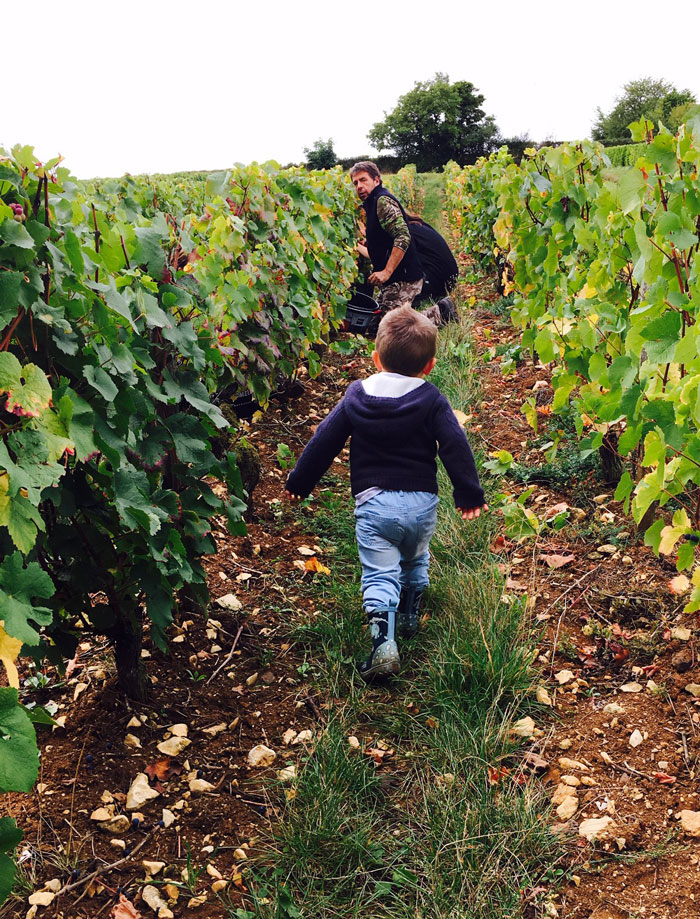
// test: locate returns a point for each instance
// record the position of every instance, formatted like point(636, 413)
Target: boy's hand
point(290, 497)
point(472, 513)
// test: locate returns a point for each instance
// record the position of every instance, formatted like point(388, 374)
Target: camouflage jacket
point(392, 222)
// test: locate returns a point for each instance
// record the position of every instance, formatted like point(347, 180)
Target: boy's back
point(397, 423)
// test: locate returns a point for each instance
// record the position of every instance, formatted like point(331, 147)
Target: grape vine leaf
point(9, 295)
point(17, 586)
point(14, 234)
point(28, 389)
point(10, 836)
point(19, 757)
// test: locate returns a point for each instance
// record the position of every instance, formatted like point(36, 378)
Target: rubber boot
point(409, 608)
point(384, 660)
point(448, 311)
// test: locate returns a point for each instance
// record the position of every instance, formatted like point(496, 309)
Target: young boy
point(397, 422)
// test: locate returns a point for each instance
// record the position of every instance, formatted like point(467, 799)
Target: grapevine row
point(125, 305)
point(603, 264)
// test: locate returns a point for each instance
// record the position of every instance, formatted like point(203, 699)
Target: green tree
point(435, 122)
point(321, 155)
point(656, 100)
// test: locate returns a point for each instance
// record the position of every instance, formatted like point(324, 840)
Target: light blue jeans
point(393, 532)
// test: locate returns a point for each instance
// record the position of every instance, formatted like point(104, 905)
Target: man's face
point(364, 184)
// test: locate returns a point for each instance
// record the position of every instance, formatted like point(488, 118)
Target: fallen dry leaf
point(556, 561)
point(313, 564)
point(163, 769)
point(535, 761)
point(679, 585)
point(496, 773)
point(460, 416)
point(664, 779)
point(124, 909)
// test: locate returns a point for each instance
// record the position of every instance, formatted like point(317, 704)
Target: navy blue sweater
point(393, 446)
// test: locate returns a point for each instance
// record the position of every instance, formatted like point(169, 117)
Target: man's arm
point(392, 222)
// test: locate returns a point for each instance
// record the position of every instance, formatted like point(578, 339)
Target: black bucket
point(362, 314)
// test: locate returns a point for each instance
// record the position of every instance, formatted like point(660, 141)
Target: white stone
point(690, 821)
point(567, 808)
point(303, 737)
point(200, 786)
point(229, 601)
point(151, 897)
point(168, 817)
point(131, 740)
point(636, 738)
point(215, 729)
point(42, 898)
point(173, 746)
point(179, 730)
point(596, 828)
point(613, 708)
point(261, 756)
point(287, 775)
point(101, 814)
point(140, 792)
point(573, 764)
point(153, 868)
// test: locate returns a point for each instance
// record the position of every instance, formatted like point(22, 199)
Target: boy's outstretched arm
point(329, 439)
point(458, 460)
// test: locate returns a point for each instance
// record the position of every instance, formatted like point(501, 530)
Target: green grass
point(434, 201)
point(406, 840)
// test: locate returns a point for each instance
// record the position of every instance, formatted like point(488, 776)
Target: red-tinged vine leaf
point(519, 777)
point(124, 909)
point(499, 543)
point(666, 635)
point(27, 387)
point(664, 779)
point(556, 561)
point(650, 669)
point(496, 774)
point(512, 584)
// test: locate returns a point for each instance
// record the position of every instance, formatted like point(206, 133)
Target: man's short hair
point(406, 341)
point(366, 166)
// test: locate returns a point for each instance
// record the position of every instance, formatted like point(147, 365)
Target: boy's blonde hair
point(406, 341)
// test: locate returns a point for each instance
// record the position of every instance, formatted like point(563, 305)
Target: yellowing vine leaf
point(9, 650)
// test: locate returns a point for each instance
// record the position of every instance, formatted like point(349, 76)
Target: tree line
point(438, 121)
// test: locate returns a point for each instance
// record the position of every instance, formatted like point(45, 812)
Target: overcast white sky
point(153, 86)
